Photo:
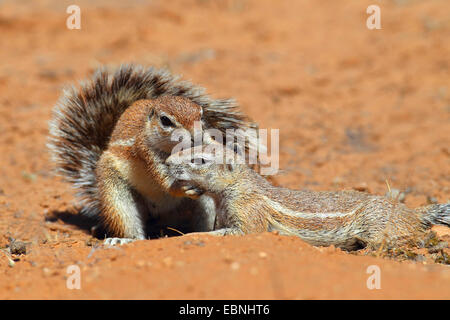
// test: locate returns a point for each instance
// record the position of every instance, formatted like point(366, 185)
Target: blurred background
point(354, 105)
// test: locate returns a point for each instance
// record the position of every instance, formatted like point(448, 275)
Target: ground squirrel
point(111, 136)
point(248, 203)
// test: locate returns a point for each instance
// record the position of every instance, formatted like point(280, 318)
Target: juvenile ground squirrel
point(248, 203)
point(111, 136)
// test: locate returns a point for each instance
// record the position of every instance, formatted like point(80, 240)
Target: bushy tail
point(438, 214)
point(84, 118)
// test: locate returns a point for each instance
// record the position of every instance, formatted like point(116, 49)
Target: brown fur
point(104, 141)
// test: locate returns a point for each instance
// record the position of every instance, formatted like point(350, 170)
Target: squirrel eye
point(166, 122)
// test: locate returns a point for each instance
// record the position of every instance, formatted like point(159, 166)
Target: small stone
point(235, 266)
point(30, 177)
point(363, 187)
point(18, 214)
point(396, 194)
point(11, 263)
point(263, 255)
point(168, 262)
point(48, 74)
point(46, 271)
point(140, 263)
point(92, 242)
point(228, 259)
point(431, 200)
point(17, 247)
point(338, 181)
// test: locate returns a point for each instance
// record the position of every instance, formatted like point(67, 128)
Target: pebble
point(396, 194)
point(263, 255)
point(168, 262)
point(17, 247)
point(11, 263)
point(431, 200)
point(235, 266)
point(363, 187)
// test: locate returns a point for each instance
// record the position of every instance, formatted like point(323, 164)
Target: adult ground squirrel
point(248, 203)
point(111, 136)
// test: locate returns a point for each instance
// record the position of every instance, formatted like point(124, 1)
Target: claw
point(117, 241)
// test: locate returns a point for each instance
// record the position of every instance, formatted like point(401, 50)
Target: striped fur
point(248, 203)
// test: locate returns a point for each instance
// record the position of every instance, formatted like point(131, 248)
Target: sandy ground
point(355, 107)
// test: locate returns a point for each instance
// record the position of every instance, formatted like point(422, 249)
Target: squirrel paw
point(117, 241)
point(192, 192)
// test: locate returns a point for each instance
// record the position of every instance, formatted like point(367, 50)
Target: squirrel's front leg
point(122, 210)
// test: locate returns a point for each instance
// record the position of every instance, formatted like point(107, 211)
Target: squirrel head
point(164, 116)
point(210, 168)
